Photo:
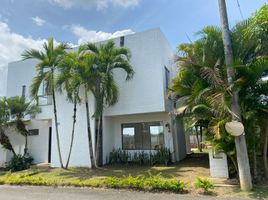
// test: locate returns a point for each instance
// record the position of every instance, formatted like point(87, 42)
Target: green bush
point(159, 156)
point(204, 183)
point(151, 183)
point(119, 156)
point(19, 162)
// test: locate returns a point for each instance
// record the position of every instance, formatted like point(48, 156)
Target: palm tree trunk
point(255, 171)
point(197, 137)
point(72, 137)
point(56, 126)
point(98, 145)
point(26, 145)
point(201, 136)
point(265, 148)
point(6, 142)
point(91, 154)
point(240, 141)
point(234, 162)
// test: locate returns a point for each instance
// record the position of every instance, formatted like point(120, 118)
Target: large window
point(146, 135)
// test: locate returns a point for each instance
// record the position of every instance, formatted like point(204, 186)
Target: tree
point(85, 75)
point(46, 69)
point(203, 91)
point(240, 141)
point(108, 58)
point(68, 82)
point(19, 108)
point(4, 118)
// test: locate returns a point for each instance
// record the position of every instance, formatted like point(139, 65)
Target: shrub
point(119, 156)
point(151, 183)
point(159, 156)
point(19, 162)
point(204, 183)
point(162, 156)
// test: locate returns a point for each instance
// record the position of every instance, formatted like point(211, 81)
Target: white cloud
point(11, 47)
point(86, 35)
point(38, 21)
point(99, 4)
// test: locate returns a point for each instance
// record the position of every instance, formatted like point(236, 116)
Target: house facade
point(140, 121)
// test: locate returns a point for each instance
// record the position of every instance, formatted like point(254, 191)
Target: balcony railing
point(44, 100)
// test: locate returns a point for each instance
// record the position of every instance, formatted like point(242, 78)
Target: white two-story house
point(140, 121)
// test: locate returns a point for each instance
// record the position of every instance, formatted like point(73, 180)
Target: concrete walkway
point(50, 193)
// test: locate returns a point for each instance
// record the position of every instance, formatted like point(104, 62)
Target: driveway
point(50, 193)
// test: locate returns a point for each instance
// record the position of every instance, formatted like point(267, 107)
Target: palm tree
point(4, 118)
point(19, 108)
point(83, 75)
point(108, 58)
point(69, 81)
point(46, 68)
point(202, 78)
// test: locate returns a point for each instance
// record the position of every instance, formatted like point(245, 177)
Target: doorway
point(49, 144)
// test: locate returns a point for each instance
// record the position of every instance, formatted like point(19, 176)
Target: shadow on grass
point(185, 170)
point(191, 166)
point(258, 192)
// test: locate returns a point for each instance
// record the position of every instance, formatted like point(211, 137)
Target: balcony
point(44, 100)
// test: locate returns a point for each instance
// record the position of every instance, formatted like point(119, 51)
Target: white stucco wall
point(218, 164)
point(80, 152)
point(37, 145)
point(113, 133)
point(145, 93)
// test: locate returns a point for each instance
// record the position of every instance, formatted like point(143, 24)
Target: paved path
point(50, 193)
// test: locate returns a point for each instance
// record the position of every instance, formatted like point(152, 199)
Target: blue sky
point(27, 23)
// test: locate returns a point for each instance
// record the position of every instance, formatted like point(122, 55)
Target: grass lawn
point(187, 171)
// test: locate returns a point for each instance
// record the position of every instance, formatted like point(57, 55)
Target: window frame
point(167, 77)
point(133, 125)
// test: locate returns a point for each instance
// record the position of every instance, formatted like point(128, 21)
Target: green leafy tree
point(46, 70)
point(19, 108)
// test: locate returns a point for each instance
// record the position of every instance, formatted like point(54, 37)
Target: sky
point(28, 24)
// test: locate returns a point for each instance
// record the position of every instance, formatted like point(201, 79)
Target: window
point(167, 77)
point(122, 41)
point(146, 135)
point(33, 132)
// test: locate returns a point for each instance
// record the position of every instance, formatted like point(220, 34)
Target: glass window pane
point(146, 137)
point(128, 138)
point(157, 136)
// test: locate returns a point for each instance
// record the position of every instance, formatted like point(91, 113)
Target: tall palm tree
point(202, 78)
point(69, 81)
point(108, 58)
point(46, 69)
point(83, 76)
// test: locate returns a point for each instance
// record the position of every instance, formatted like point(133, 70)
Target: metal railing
point(44, 100)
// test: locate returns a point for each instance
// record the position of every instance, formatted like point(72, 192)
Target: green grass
point(186, 171)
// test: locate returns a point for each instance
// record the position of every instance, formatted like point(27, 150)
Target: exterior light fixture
point(235, 128)
point(168, 127)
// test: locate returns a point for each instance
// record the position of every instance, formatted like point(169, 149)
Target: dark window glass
point(167, 76)
point(122, 41)
point(147, 135)
point(33, 132)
